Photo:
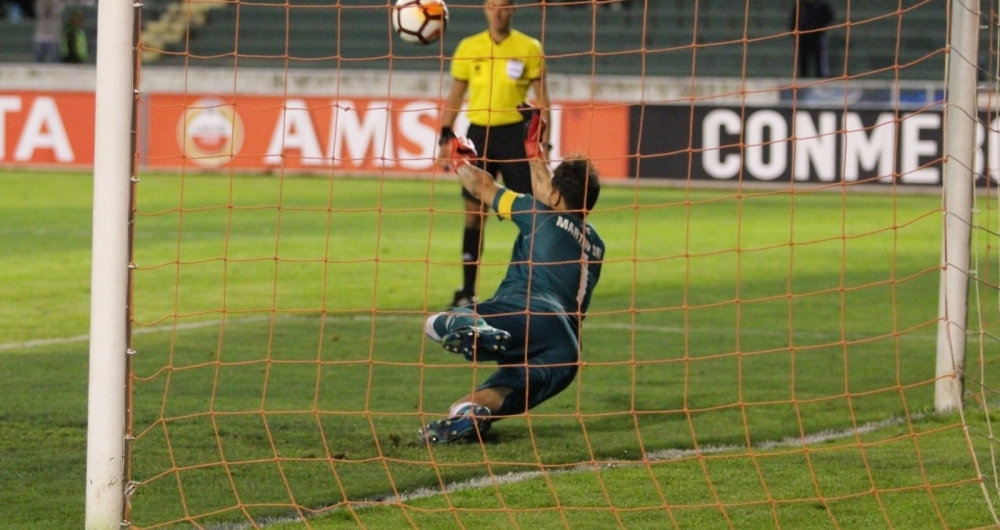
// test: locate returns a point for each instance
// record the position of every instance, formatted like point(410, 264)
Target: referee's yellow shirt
point(499, 75)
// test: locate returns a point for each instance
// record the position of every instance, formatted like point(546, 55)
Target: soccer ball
point(420, 21)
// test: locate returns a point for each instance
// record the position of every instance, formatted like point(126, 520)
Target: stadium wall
point(267, 120)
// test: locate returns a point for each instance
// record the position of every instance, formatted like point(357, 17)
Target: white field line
point(656, 456)
point(35, 343)
point(166, 328)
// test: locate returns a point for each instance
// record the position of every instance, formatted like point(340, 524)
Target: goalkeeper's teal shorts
point(544, 351)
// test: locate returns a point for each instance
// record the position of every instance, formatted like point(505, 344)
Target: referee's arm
point(454, 102)
point(448, 115)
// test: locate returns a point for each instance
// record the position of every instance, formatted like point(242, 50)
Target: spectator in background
point(810, 18)
point(14, 11)
point(11, 12)
point(48, 30)
point(74, 41)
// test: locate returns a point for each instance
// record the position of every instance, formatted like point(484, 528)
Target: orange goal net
point(761, 348)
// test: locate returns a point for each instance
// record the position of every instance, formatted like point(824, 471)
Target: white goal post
point(113, 155)
point(959, 181)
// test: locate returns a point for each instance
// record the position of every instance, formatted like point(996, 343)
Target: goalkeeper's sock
point(472, 245)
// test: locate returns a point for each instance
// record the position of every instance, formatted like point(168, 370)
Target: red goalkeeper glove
point(462, 151)
point(534, 130)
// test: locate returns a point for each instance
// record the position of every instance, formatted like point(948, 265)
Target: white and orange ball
point(420, 21)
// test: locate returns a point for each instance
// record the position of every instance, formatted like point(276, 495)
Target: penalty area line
point(618, 326)
point(180, 327)
point(35, 343)
point(7, 346)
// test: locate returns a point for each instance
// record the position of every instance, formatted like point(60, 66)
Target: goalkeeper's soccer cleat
point(463, 425)
point(481, 341)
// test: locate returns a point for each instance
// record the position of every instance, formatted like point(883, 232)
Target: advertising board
point(263, 133)
point(781, 144)
point(844, 137)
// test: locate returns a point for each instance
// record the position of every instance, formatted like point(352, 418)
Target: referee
point(496, 68)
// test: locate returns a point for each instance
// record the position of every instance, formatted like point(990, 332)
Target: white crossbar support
point(959, 183)
point(109, 274)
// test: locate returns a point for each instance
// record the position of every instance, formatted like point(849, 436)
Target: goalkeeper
point(530, 327)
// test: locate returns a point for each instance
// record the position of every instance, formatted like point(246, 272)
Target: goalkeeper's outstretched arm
point(478, 182)
point(541, 178)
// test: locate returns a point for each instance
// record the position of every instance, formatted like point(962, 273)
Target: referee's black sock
point(471, 250)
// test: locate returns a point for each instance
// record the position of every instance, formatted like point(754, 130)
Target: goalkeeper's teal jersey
point(556, 256)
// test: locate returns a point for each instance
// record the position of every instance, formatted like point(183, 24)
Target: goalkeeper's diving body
point(530, 327)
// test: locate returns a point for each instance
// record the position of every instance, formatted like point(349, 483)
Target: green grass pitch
point(282, 370)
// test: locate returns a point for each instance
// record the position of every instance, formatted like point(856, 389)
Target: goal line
point(493, 481)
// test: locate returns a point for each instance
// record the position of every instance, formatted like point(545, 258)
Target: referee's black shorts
point(502, 150)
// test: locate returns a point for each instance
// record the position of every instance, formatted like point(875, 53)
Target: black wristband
point(446, 135)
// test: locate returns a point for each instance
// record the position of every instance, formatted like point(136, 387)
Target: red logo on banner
point(210, 132)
